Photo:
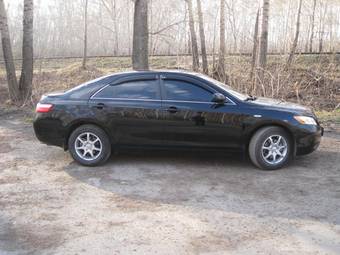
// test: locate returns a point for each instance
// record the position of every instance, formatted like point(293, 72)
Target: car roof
point(166, 71)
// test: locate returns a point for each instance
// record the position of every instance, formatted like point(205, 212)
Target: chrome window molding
point(99, 91)
point(128, 99)
point(198, 102)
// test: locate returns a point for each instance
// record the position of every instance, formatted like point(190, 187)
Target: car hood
point(282, 105)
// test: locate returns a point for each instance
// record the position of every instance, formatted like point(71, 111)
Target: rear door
point(191, 119)
point(131, 108)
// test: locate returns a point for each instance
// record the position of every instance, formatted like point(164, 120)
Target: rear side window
point(185, 91)
point(147, 89)
point(84, 91)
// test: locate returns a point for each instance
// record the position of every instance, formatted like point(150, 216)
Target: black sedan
point(173, 109)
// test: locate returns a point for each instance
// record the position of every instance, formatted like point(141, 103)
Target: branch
point(168, 27)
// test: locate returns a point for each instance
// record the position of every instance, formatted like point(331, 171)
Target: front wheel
point(270, 148)
point(89, 145)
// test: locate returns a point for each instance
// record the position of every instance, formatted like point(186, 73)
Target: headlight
point(305, 120)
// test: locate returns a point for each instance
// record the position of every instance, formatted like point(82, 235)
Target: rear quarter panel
point(55, 127)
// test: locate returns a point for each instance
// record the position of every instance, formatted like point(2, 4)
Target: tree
point(296, 38)
point(19, 92)
point(222, 52)
point(312, 28)
point(322, 24)
point(263, 39)
point(140, 53)
point(111, 8)
point(255, 48)
point(85, 35)
point(25, 84)
point(12, 81)
point(194, 47)
point(202, 37)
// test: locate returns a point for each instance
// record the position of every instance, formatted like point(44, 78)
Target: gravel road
point(156, 203)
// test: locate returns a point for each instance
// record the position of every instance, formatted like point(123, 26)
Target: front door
point(191, 119)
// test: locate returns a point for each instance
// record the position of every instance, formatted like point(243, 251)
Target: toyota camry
point(173, 110)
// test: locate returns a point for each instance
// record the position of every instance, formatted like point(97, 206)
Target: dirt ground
point(155, 203)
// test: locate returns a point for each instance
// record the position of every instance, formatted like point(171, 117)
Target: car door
point(192, 119)
point(131, 108)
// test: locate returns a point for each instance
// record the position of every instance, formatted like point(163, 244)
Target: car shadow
point(222, 182)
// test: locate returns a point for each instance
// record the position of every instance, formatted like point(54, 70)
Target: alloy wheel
point(88, 146)
point(274, 149)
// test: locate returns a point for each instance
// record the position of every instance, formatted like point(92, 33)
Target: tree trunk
point(214, 44)
point(85, 35)
point(263, 40)
point(312, 28)
point(12, 81)
point(222, 52)
point(194, 47)
point(140, 51)
point(26, 77)
point(296, 38)
point(116, 27)
point(202, 37)
point(255, 47)
point(188, 44)
point(322, 26)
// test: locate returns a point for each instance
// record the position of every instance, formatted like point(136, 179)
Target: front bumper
point(309, 140)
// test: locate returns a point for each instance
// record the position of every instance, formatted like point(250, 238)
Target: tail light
point(44, 108)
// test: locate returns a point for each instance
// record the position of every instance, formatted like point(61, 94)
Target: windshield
point(225, 87)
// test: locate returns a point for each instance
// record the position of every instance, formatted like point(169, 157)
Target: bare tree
point(202, 37)
point(255, 47)
point(232, 22)
point(194, 47)
point(222, 52)
point(263, 39)
point(323, 15)
point(58, 30)
point(140, 53)
point(25, 84)
point(12, 81)
point(85, 35)
point(296, 38)
point(114, 13)
point(312, 28)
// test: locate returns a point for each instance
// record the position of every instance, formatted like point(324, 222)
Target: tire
point(268, 151)
point(92, 140)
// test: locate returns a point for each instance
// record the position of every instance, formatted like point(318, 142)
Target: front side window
point(147, 89)
point(185, 91)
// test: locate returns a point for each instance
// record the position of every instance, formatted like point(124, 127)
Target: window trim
point(162, 93)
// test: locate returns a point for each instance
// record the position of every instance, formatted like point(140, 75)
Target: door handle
point(100, 106)
point(172, 109)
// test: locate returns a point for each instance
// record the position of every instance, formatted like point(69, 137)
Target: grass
point(329, 116)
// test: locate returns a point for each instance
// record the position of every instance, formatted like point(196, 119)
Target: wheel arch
point(73, 126)
point(275, 124)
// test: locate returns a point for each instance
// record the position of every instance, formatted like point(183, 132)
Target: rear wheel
point(89, 145)
point(270, 148)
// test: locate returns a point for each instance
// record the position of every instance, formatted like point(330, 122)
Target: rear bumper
point(49, 131)
point(309, 140)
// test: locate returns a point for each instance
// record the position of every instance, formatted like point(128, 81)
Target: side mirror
point(218, 98)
